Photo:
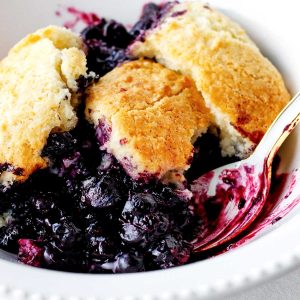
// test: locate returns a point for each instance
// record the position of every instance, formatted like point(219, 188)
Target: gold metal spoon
point(232, 196)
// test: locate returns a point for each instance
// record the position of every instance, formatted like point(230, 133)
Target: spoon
point(231, 197)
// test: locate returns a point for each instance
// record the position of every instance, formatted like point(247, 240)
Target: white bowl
point(274, 26)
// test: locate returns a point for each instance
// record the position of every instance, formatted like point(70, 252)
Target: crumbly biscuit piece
point(153, 115)
point(242, 88)
point(37, 81)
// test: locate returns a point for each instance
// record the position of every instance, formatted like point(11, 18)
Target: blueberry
point(44, 202)
point(4, 203)
point(66, 233)
point(83, 82)
point(154, 224)
point(140, 203)
point(94, 229)
point(170, 201)
point(103, 131)
point(128, 263)
point(106, 246)
point(74, 166)
point(9, 236)
point(92, 32)
point(111, 32)
point(106, 43)
point(54, 217)
point(116, 57)
point(30, 252)
point(91, 218)
point(170, 251)
point(41, 234)
point(132, 234)
point(207, 156)
point(73, 188)
point(101, 192)
point(115, 34)
point(143, 229)
point(56, 258)
point(101, 247)
point(18, 207)
point(184, 219)
point(100, 266)
point(59, 145)
point(50, 256)
point(149, 16)
point(106, 163)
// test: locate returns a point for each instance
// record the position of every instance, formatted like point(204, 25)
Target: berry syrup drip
point(236, 200)
point(78, 16)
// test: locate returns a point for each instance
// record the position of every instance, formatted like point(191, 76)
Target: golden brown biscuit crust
point(154, 115)
point(233, 76)
point(37, 80)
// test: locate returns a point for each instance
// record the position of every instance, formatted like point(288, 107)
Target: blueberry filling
point(106, 43)
point(151, 15)
point(207, 156)
point(84, 214)
point(108, 40)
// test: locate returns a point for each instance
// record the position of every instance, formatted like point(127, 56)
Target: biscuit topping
point(237, 82)
point(37, 81)
point(148, 117)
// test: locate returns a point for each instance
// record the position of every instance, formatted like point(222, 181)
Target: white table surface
point(286, 287)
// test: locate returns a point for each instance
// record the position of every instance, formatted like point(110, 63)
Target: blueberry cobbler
point(103, 133)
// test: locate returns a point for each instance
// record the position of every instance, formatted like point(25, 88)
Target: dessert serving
point(103, 134)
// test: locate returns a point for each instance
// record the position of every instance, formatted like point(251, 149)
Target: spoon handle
point(280, 129)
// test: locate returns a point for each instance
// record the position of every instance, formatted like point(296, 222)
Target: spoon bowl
point(231, 197)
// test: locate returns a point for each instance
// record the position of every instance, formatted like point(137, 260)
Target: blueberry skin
point(140, 203)
point(9, 236)
point(169, 252)
point(59, 145)
point(106, 43)
point(101, 192)
point(66, 233)
point(128, 263)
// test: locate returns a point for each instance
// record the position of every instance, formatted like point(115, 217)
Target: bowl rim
point(24, 282)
